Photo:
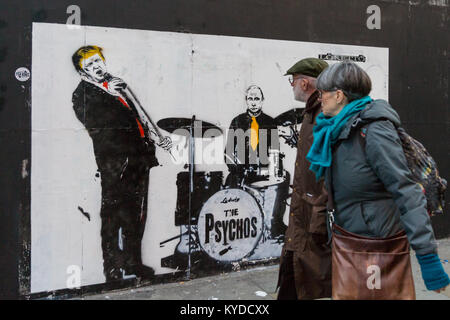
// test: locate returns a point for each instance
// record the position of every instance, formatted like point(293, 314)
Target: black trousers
point(124, 206)
point(286, 280)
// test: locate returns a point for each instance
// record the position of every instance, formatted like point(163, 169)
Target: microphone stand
point(130, 94)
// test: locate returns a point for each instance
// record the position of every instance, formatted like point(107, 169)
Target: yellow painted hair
point(84, 53)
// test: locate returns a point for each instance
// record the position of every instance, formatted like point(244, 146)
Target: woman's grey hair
point(348, 77)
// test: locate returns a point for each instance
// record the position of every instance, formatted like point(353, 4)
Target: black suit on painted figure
point(124, 152)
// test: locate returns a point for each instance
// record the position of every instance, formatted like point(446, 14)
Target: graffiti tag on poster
point(341, 57)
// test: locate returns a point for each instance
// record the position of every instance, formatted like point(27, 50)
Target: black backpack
point(421, 164)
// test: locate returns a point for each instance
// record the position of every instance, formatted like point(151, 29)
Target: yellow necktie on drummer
point(254, 129)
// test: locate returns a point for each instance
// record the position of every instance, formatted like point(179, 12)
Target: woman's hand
point(433, 273)
point(440, 290)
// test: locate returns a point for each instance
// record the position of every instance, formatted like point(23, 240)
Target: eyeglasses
point(292, 79)
point(321, 92)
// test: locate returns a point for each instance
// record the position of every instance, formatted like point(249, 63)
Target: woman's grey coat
point(374, 193)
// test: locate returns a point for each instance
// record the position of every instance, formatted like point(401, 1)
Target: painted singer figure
point(124, 147)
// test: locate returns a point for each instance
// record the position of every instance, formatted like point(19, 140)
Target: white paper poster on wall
point(108, 102)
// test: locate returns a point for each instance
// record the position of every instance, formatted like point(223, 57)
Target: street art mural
point(160, 153)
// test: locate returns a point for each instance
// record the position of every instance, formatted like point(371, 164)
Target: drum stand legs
point(188, 240)
point(191, 187)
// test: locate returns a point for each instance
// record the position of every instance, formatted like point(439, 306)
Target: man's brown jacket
point(306, 234)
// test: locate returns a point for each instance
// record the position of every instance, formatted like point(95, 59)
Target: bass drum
point(230, 225)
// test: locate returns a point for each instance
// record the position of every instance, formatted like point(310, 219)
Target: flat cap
point(309, 67)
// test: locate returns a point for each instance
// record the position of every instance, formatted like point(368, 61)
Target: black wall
point(416, 33)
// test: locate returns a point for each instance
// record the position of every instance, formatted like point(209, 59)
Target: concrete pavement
point(257, 283)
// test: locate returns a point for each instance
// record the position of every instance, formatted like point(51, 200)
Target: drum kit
point(220, 222)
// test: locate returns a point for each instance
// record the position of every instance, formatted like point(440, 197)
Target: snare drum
point(230, 225)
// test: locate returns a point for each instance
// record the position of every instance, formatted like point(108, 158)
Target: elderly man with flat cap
point(305, 266)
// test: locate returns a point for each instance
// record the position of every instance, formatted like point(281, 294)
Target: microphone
point(108, 77)
point(121, 89)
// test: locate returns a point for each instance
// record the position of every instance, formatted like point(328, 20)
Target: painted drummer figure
point(124, 148)
point(250, 138)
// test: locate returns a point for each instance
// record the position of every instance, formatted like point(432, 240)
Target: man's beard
point(299, 95)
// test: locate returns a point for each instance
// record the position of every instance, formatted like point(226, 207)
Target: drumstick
point(235, 160)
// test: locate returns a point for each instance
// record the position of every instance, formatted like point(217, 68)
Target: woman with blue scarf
point(366, 170)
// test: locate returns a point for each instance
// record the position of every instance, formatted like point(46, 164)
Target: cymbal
point(293, 116)
point(173, 124)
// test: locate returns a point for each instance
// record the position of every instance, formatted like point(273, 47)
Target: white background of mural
point(173, 75)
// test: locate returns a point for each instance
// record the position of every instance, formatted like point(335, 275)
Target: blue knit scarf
point(326, 132)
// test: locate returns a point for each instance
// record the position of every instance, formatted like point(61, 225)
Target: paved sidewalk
point(257, 283)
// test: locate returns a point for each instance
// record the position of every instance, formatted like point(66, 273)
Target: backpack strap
point(360, 127)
